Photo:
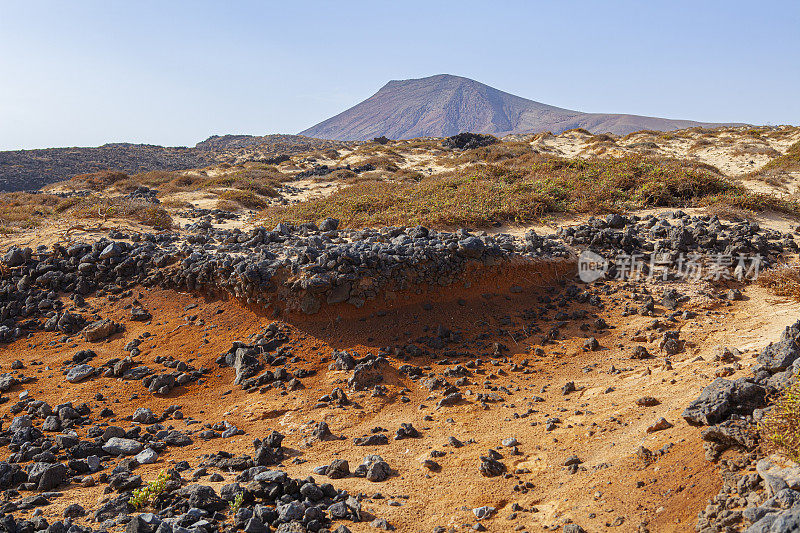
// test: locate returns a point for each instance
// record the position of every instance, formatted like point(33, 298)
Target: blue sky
point(88, 72)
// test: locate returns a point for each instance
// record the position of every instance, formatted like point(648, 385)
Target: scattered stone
point(100, 330)
point(659, 425)
point(121, 446)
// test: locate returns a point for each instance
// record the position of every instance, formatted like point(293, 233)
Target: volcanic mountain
point(444, 105)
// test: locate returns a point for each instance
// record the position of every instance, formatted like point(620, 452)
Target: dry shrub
point(577, 130)
point(782, 280)
point(342, 174)
point(780, 429)
point(601, 138)
point(98, 181)
point(227, 205)
point(406, 174)
point(364, 177)
point(178, 183)
point(126, 186)
point(744, 150)
point(256, 177)
point(494, 153)
point(738, 197)
point(382, 162)
point(776, 180)
point(256, 187)
point(730, 212)
point(651, 133)
point(247, 199)
point(174, 203)
point(25, 210)
point(157, 178)
point(268, 175)
point(68, 203)
point(451, 200)
point(381, 153)
point(147, 213)
point(257, 165)
point(424, 145)
point(644, 145)
point(699, 130)
point(698, 145)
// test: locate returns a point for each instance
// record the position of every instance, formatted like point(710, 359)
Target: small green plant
point(149, 492)
point(237, 502)
point(781, 428)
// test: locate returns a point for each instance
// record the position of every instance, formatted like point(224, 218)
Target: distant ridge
point(31, 169)
point(444, 105)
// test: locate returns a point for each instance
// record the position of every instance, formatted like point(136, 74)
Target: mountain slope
point(444, 105)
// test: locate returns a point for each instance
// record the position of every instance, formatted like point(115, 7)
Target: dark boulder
point(722, 398)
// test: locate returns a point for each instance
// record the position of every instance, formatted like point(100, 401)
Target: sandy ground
point(733, 151)
point(601, 423)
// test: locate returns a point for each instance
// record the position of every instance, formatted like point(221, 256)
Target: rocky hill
point(277, 142)
point(444, 105)
point(32, 169)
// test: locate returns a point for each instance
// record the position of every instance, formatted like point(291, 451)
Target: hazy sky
point(85, 73)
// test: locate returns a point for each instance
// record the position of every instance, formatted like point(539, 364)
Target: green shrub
point(237, 502)
point(144, 495)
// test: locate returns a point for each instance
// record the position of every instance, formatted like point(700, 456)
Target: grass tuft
point(781, 427)
point(782, 280)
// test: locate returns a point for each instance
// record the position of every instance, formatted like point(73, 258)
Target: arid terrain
point(366, 336)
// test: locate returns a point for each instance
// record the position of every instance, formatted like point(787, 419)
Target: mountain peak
point(445, 104)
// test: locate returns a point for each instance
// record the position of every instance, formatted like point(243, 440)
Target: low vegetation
point(237, 502)
point(788, 162)
point(601, 138)
point(98, 181)
point(147, 213)
point(420, 181)
point(144, 495)
point(494, 153)
point(22, 210)
point(246, 199)
point(518, 185)
point(783, 280)
point(781, 427)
